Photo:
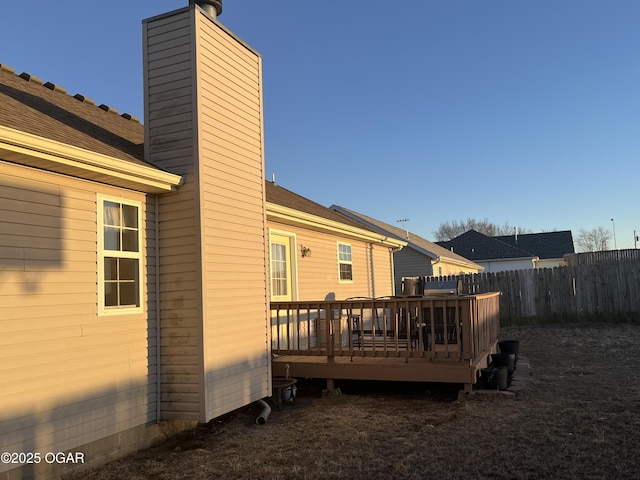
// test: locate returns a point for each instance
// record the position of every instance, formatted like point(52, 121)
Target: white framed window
point(345, 265)
point(119, 256)
point(280, 281)
point(282, 265)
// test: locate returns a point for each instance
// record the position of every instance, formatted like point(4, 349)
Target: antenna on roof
point(403, 221)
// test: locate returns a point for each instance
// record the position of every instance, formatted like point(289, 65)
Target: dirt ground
point(579, 418)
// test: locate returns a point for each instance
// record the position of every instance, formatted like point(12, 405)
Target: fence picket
point(602, 286)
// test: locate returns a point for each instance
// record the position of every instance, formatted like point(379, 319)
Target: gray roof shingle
point(476, 246)
point(428, 248)
point(49, 112)
point(543, 245)
point(286, 198)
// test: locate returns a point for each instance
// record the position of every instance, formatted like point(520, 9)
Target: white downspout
point(158, 382)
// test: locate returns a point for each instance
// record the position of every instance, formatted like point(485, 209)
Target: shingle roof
point(46, 110)
point(415, 241)
point(286, 198)
point(476, 246)
point(543, 245)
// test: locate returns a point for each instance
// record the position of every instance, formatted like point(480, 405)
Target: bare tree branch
point(594, 240)
point(449, 230)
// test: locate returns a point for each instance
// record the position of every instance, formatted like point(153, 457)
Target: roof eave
point(454, 261)
point(295, 217)
point(34, 151)
point(507, 259)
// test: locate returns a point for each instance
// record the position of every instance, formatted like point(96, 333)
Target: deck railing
point(440, 327)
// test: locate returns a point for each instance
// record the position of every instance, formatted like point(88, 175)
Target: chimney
point(204, 121)
point(212, 7)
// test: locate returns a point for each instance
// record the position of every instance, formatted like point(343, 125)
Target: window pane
point(110, 294)
point(345, 272)
point(277, 252)
point(130, 216)
point(110, 268)
point(111, 238)
point(112, 213)
point(128, 294)
point(344, 252)
point(128, 269)
point(277, 270)
point(279, 287)
point(130, 240)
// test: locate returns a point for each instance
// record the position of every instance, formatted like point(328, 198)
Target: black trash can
point(504, 360)
point(509, 346)
point(500, 378)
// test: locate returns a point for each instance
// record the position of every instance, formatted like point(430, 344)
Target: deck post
point(331, 384)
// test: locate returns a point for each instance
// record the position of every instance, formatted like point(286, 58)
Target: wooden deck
point(423, 339)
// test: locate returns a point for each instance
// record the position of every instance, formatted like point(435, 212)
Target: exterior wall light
point(305, 251)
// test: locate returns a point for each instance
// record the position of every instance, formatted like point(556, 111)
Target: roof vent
point(130, 117)
point(55, 88)
point(31, 78)
point(212, 7)
point(84, 99)
point(107, 108)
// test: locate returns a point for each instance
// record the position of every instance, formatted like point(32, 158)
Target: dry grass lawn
point(579, 418)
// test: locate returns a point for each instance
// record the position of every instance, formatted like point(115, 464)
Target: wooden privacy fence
point(603, 291)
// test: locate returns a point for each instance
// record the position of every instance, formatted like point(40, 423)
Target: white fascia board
point(85, 163)
point(461, 263)
point(508, 259)
point(290, 215)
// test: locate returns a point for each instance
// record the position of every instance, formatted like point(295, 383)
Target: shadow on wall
point(31, 234)
point(88, 429)
point(103, 421)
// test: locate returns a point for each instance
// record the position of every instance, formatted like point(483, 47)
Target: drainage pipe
point(264, 414)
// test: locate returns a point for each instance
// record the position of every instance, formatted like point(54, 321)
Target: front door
point(281, 268)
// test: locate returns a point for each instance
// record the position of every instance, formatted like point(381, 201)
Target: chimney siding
point(203, 114)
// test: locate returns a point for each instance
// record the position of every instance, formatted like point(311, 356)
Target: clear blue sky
point(526, 112)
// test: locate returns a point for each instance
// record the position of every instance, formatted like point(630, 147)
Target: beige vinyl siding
point(382, 281)
point(204, 122)
point(169, 113)
point(449, 268)
point(317, 275)
point(236, 352)
point(67, 376)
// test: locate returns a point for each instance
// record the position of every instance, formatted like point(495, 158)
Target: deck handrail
point(452, 328)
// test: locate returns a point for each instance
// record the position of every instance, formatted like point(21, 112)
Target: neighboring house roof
point(44, 127)
point(544, 245)
point(414, 241)
point(289, 207)
point(478, 247)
